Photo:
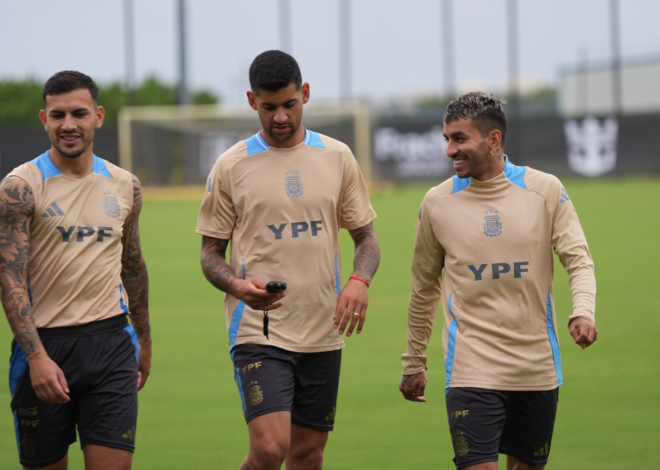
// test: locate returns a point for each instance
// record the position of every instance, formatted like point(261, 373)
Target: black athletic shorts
point(99, 362)
point(484, 423)
point(272, 379)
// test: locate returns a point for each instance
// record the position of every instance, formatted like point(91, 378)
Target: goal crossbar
point(132, 114)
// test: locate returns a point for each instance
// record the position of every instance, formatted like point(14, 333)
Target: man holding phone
point(281, 197)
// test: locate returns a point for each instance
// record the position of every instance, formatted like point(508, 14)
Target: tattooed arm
point(136, 282)
point(215, 266)
point(217, 271)
point(367, 252)
point(16, 210)
point(353, 299)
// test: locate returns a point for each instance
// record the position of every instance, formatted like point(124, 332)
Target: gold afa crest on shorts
point(255, 395)
point(460, 445)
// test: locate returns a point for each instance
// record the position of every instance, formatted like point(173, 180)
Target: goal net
point(178, 145)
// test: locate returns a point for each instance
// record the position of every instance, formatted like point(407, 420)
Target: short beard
point(479, 163)
point(75, 153)
point(282, 138)
point(70, 154)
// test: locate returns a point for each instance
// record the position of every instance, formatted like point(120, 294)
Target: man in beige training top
point(71, 271)
point(281, 197)
point(484, 243)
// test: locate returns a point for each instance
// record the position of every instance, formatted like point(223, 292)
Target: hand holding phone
point(273, 287)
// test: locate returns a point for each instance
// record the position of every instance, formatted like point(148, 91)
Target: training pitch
point(190, 411)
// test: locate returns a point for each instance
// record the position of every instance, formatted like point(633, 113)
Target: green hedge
point(20, 100)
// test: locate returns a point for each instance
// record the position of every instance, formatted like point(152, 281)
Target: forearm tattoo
point(16, 210)
point(134, 270)
point(367, 252)
point(215, 266)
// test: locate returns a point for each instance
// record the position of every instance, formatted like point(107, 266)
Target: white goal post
point(172, 145)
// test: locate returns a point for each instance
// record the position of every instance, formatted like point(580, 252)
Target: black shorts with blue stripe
point(484, 423)
point(271, 379)
point(99, 362)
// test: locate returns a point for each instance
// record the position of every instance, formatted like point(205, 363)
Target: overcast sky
point(397, 49)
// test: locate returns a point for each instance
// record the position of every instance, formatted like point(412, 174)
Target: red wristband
point(359, 279)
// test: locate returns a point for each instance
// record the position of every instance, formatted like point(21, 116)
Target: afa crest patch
point(110, 205)
point(255, 396)
point(492, 224)
point(460, 445)
point(292, 184)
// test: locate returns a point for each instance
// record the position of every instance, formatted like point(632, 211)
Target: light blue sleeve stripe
point(460, 184)
point(515, 174)
point(449, 363)
point(235, 323)
point(131, 331)
point(556, 356)
point(100, 168)
point(239, 383)
point(122, 305)
point(46, 166)
point(337, 281)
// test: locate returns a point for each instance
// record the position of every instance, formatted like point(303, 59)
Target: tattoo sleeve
point(367, 252)
point(16, 210)
point(134, 270)
point(214, 264)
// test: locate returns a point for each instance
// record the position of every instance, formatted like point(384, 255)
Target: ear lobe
point(252, 101)
point(305, 92)
point(100, 116)
point(496, 138)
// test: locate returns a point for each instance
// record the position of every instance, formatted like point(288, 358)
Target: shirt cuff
point(413, 364)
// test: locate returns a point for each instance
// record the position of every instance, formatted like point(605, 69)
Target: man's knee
point(308, 458)
point(513, 463)
point(268, 453)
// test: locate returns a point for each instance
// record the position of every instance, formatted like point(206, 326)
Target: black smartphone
point(275, 287)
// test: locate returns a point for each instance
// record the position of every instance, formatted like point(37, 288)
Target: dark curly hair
point(69, 80)
point(485, 110)
point(272, 70)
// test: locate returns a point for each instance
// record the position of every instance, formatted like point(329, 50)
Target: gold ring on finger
point(356, 314)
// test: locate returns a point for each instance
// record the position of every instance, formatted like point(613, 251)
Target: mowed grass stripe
point(190, 412)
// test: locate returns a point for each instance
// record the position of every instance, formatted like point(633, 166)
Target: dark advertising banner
point(412, 148)
point(409, 148)
point(23, 144)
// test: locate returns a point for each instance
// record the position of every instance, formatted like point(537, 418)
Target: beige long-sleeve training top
point(486, 248)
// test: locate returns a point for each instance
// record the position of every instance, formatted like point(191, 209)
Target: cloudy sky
point(397, 48)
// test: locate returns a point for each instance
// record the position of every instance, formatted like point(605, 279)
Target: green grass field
point(609, 407)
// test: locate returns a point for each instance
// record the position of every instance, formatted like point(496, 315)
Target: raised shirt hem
point(291, 347)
